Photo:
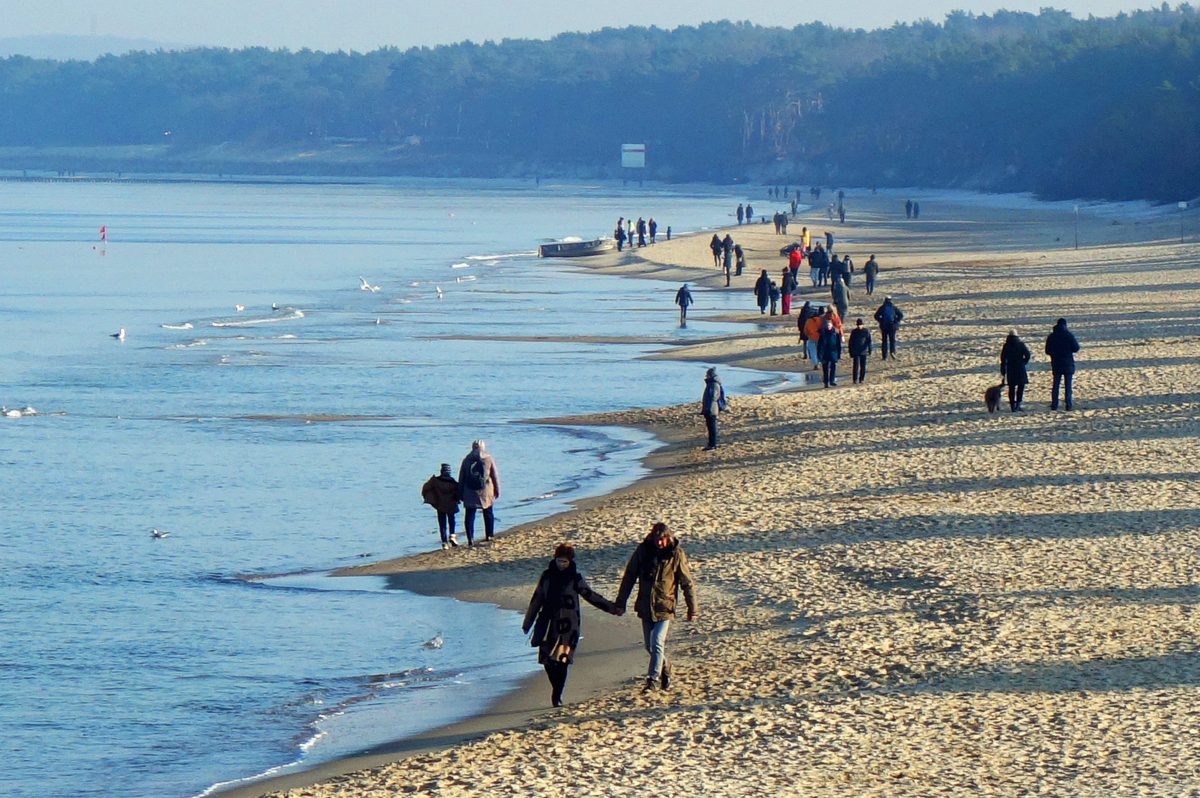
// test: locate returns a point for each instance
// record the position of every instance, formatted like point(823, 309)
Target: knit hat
point(445, 469)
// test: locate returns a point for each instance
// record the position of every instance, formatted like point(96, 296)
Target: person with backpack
point(683, 298)
point(712, 404)
point(554, 616)
point(889, 317)
point(479, 485)
point(441, 492)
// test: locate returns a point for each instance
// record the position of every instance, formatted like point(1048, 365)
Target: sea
point(274, 420)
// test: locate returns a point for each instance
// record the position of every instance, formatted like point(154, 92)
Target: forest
point(1105, 108)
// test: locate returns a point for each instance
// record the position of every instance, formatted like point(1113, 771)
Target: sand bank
point(902, 595)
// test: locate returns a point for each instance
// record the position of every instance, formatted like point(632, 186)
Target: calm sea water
point(287, 441)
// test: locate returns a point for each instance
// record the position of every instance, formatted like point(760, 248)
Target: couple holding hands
point(660, 568)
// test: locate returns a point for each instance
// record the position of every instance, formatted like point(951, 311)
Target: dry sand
point(902, 595)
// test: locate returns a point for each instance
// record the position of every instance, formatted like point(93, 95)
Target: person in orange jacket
point(812, 333)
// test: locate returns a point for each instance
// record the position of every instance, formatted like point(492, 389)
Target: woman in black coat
point(1014, 356)
point(762, 291)
point(555, 618)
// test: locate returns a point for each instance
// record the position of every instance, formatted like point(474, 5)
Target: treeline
point(1104, 108)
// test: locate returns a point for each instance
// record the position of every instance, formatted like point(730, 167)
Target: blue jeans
point(810, 346)
point(655, 635)
point(1065, 378)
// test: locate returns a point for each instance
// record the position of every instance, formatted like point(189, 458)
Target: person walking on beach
point(806, 313)
point(555, 617)
point(860, 348)
point(787, 287)
point(841, 297)
point(762, 291)
point(479, 483)
point(660, 569)
point(653, 225)
point(888, 316)
point(727, 246)
point(774, 298)
point(741, 213)
point(712, 404)
point(641, 232)
point(812, 334)
point(908, 209)
point(749, 213)
point(619, 234)
point(683, 298)
point(1061, 346)
point(442, 492)
point(829, 350)
point(870, 272)
point(739, 259)
point(715, 246)
point(1014, 356)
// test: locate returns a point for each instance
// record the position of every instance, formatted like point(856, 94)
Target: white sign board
point(633, 156)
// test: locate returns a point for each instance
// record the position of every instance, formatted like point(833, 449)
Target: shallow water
point(285, 441)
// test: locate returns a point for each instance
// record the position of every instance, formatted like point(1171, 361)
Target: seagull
point(239, 308)
point(363, 285)
point(159, 534)
point(435, 643)
point(119, 334)
point(274, 306)
point(28, 411)
point(438, 288)
point(378, 320)
point(10, 413)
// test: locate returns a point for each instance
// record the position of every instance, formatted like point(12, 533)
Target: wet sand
point(902, 595)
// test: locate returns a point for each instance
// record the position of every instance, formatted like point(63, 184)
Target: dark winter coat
point(554, 610)
point(882, 314)
point(860, 342)
point(1061, 346)
point(441, 492)
point(829, 346)
point(1013, 357)
point(683, 297)
point(788, 285)
point(762, 290)
point(871, 269)
point(479, 499)
point(659, 574)
point(806, 313)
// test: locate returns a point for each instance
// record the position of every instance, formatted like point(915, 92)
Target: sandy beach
point(901, 594)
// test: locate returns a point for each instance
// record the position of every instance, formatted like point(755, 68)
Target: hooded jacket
point(554, 611)
point(484, 498)
point(659, 575)
point(712, 402)
point(1061, 346)
point(860, 342)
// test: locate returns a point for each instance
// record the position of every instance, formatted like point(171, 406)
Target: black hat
point(445, 469)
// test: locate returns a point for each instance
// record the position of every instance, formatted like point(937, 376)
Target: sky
point(367, 24)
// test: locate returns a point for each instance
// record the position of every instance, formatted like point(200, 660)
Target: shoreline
point(667, 463)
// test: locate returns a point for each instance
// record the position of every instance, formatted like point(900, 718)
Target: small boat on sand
point(574, 247)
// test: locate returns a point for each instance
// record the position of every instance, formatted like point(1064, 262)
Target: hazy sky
point(367, 24)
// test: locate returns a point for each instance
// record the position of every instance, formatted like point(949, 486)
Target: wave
point(190, 344)
point(292, 316)
point(460, 265)
point(465, 279)
point(187, 325)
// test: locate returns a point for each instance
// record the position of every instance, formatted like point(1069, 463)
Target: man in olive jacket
point(660, 568)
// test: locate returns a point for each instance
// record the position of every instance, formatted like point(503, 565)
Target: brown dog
point(992, 397)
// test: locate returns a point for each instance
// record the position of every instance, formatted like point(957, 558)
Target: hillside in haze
point(1103, 108)
point(77, 48)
